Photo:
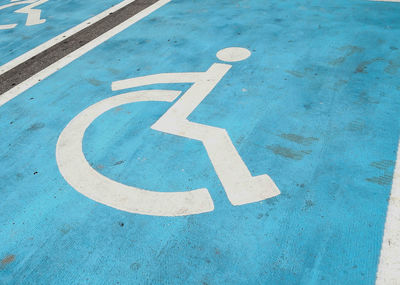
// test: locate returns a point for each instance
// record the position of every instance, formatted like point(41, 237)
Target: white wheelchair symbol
point(240, 186)
point(33, 15)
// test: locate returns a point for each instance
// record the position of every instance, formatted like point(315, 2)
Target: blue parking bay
point(26, 24)
point(305, 103)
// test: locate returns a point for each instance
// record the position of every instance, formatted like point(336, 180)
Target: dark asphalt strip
point(30, 67)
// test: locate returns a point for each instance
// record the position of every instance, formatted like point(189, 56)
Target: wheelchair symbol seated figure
point(240, 186)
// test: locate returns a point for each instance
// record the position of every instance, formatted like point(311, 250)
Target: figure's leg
point(240, 186)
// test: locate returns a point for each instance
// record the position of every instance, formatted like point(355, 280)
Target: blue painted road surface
point(26, 24)
point(268, 163)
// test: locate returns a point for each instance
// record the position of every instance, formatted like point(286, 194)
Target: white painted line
point(389, 264)
point(13, 63)
point(14, 92)
point(6, 27)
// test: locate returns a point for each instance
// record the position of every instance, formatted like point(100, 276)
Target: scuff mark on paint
point(135, 266)
point(364, 64)
point(308, 205)
point(94, 82)
point(364, 98)
point(65, 229)
point(287, 152)
point(298, 139)
point(36, 126)
point(385, 179)
point(114, 71)
point(356, 126)
point(393, 66)
point(119, 162)
point(337, 61)
point(350, 50)
point(383, 164)
point(339, 84)
point(295, 73)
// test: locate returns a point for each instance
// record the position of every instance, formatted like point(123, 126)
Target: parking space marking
point(240, 186)
point(389, 264)
point(336, 235)
point(44, 73)
point(389, 261)
point(15, 62)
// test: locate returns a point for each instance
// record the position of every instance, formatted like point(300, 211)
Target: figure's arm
point(6, 27)
point(184, 77)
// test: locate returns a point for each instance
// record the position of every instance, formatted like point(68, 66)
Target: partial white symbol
point(240, 186)
point(33, 15)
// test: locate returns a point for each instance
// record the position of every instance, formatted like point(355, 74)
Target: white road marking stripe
point(13, 63)
point(389, 264)
point(6, 27)
point(14, 92)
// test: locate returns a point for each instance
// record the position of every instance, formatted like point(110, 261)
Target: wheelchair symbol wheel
point(240, 187)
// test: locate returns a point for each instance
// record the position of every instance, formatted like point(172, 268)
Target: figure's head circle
point(233, 54)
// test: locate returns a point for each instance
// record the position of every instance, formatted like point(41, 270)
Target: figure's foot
point(254, 190)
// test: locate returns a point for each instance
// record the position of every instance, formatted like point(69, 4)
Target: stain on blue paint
point(298, 95)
